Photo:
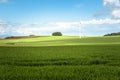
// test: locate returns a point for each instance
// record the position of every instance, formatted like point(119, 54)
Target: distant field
point(59, 41)
point(60, 58)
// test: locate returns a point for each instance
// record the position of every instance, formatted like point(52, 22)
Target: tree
point(56, 34)
point(31, 35)
point(113, 34)
point(9, 37)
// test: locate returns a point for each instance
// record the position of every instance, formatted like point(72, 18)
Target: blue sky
point(42, 17)
point(49, 10)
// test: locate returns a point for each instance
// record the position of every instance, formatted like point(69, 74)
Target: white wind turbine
point(80, 30)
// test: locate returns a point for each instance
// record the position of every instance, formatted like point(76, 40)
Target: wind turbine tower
point(80, 31)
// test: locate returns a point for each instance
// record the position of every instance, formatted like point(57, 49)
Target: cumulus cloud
point(116, 13)
point(114, 6)
point(101, 21)
point(5, 27)
point(47, 28)
point(110, 3)
point(2, 30)
point(67, 28)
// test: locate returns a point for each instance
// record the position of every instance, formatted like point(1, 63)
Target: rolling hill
point(60, 40)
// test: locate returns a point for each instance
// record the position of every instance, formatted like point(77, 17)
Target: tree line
point(113, 34)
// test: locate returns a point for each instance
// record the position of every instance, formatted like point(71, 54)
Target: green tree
point(56, 34)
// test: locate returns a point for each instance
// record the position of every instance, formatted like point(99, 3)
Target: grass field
point(60, 41)
point(60, 58)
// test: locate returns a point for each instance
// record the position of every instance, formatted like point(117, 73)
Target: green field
point(60, 58)
point(60, 41)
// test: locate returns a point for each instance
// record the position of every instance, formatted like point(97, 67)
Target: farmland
point(60, 41)
point(60, 58)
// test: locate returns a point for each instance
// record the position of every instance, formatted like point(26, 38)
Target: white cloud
point(101, 21)
point(3, 1)
point(67, 28)
point(2, 30)
point(113, 3)
point(114, 6)
point(116, 13)
point(47, 28)
point(1, 22)
point(5, 28)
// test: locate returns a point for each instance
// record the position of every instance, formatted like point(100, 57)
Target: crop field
point(60, 41)
point(60, 58)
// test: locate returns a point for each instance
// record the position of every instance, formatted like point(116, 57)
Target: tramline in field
point(60, 58)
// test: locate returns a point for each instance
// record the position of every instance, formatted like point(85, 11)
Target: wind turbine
point(80, 30)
